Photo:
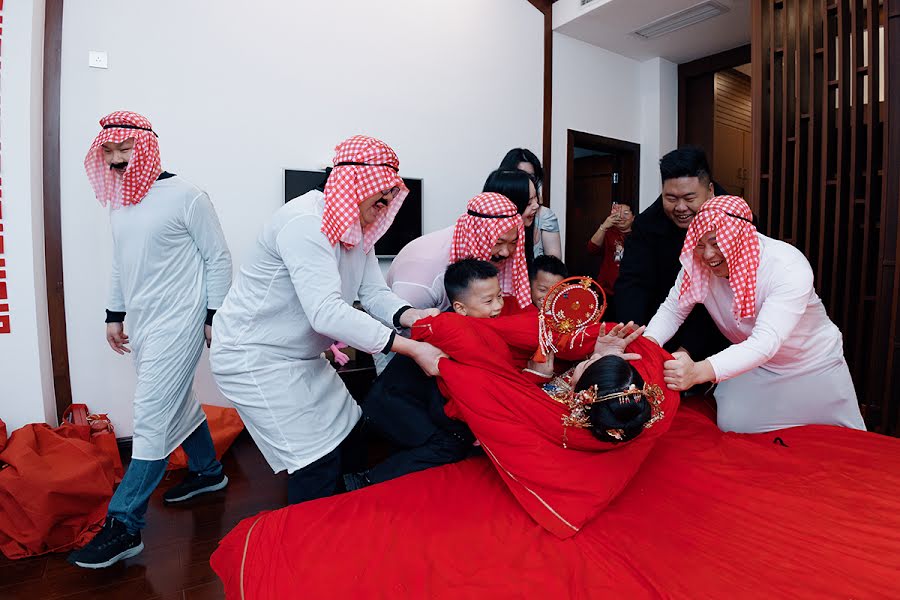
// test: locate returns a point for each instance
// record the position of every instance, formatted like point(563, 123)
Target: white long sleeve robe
point(417, 272)
point(786, 365)
point(170, 264)
point(292, 299)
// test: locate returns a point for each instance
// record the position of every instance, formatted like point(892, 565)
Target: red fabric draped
point(54, 488)
point(708, 515)
point(520, 426)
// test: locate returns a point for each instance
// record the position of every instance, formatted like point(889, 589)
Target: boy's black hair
point(548, 264)
point(460, 275)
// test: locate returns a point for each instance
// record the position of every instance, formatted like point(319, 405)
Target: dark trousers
point(406, 408)
point(442, 448)
point(324, 476)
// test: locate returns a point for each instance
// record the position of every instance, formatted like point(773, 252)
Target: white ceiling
point(609, 24)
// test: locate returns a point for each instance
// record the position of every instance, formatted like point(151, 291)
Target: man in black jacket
point(650, 263)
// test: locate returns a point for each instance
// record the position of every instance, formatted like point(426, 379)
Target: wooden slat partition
point(886, 334)
point(823, 142)
point(733, 106)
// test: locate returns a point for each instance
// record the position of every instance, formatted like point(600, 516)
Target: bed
point(682, 511)
point(808, 512)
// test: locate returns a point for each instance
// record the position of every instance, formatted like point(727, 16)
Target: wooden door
point(729, 158)
point(593, 198)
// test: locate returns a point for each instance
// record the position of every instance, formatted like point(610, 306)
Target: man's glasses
point(388, 195)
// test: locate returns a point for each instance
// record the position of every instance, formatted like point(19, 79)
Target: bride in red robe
point(563, 449)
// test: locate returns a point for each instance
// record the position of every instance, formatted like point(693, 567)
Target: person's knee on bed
point(405, 405)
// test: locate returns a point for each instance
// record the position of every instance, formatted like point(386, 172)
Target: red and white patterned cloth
point(475, 236)
point(349, 185)
point(732, 220)
point(128, 188)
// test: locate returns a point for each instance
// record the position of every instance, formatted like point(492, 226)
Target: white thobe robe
point(170, 264)
point(291, 300)
point(417, 272)
point(786, 366)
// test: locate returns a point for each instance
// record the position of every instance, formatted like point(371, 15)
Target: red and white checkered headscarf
point(128, 188)
point(363, 166)
point(732, 220)
point(488, 216)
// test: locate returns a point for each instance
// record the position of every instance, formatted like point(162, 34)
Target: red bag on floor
point(55, 486)
point(101, 432)
point(224, 427)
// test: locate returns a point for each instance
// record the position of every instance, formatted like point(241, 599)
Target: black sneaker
point(194, 485)
point(109, 546)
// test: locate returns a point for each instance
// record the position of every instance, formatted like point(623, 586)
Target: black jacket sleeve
point(635, 284)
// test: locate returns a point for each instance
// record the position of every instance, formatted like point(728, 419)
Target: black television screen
point(406, 227)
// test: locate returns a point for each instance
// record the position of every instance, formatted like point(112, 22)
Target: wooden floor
point(177, 543)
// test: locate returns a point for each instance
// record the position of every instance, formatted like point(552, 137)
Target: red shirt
point(612, 251)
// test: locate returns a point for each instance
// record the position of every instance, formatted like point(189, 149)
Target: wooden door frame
point(53, 251)
point(701, 67)
point(598, 142)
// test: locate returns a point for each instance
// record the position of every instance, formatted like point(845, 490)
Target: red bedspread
point(813, 514)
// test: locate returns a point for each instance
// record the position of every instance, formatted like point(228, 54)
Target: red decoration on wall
point(4, 295)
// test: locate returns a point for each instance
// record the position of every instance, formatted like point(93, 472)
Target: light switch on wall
point(97, 59)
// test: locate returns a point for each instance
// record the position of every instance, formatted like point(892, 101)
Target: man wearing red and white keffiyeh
point(490, 229)
point(171, 270)
point(785, 366)
point(294, 298)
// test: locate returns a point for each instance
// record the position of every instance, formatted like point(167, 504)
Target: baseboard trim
point(125, 445)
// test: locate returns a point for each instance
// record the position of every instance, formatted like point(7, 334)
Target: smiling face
point(541, 285)
point(117, 156)
point(534, 203)
point(708, 252)
point(505, 246)
point(683, 197)
point(625, 218)
point(483, 299)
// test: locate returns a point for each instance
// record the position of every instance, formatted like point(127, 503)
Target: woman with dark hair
point(521, 189)
point(524, 159)
point(605, 393)
point(620, 410)
point(546, 239)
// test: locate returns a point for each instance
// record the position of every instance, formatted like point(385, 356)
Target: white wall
point(599, 92)
point(659, 122)
point(26, 384)
point(240, 91)
point(594, 91)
